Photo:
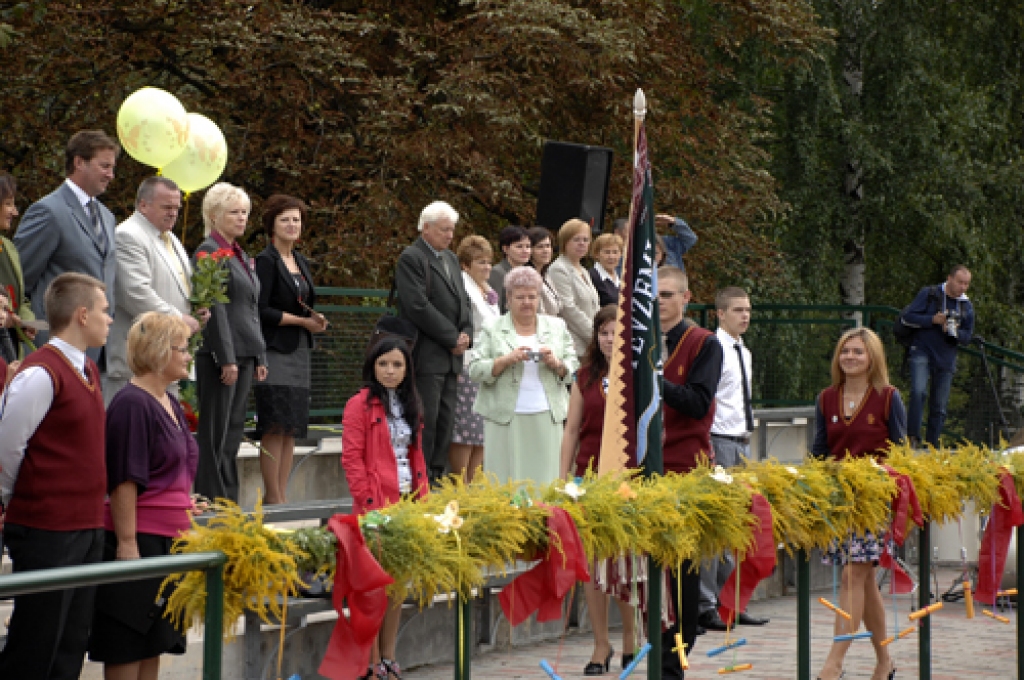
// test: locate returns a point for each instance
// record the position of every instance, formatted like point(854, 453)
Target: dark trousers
point(49, 632)
point(438, 395)
point(685, 584)
point(221, 426)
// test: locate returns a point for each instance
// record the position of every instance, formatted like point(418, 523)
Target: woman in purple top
point(151, 463)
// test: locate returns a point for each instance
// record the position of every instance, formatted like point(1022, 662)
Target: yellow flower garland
point(670, 517)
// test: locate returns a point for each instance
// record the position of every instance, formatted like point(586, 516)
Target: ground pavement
point(961, 648)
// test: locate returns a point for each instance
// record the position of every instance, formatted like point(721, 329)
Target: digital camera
point(952, 326)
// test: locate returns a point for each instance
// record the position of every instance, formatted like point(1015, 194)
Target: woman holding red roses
point(232, 352)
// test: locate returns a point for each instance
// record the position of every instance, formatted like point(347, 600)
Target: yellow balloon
point(204, 157)
point(152, 126)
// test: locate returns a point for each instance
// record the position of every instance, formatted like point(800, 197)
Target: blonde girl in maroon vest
point(859, 414)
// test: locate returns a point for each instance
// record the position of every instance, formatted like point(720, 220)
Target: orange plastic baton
point(921, 613)
point(834, 608)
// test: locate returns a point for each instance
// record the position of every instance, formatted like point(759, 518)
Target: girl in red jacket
point(382, 459)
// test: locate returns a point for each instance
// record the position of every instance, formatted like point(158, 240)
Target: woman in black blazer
point(288, 321)
point(607, 253)
point(232, 353)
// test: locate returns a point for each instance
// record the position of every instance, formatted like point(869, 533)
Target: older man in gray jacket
point(431, 295)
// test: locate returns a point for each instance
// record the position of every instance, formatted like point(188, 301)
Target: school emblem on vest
point(871, 419)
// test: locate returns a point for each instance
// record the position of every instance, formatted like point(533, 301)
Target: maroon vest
point(866, 432)
point(686, 439)
point(593, 422)
point(63, 478)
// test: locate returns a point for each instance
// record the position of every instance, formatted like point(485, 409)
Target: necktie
point(748, 412)
point(175, 262)
point(97, 224)
point(444, 266)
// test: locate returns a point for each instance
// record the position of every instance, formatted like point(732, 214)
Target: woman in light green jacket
point(523, 362)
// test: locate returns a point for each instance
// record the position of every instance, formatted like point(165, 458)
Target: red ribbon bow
point(758, 563)
point(359, 579)
point(1006, 514)
point(543, 588)
point(904, 505)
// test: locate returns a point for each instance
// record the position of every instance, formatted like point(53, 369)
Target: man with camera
point(944, 318)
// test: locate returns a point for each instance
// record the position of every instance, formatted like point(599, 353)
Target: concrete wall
point(316, 474)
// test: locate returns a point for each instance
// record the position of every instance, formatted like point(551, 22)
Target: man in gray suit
point(69, 230)
point(153, 273)
point(431, 295)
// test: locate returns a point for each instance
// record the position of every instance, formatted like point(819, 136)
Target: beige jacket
point(578, 298)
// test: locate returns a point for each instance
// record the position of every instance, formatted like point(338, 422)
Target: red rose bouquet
point(209, 286)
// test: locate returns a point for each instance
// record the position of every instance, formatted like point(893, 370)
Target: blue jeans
point(921, 370)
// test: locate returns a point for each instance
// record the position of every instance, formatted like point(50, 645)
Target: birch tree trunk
point(851, 280)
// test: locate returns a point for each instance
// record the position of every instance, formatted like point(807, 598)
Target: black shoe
point(627, 659)
point(701, 630)
point(598, 668)
point(745, 619)
point(712, 621)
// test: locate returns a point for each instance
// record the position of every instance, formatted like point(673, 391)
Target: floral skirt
point(858, 549)
point(469, 425)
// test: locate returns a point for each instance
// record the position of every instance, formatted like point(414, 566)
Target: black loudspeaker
point(573, 183)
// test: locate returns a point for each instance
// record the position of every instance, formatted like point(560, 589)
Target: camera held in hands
point(952, 326)
point(531, 355)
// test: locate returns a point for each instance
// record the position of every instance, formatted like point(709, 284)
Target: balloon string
point(184, 221)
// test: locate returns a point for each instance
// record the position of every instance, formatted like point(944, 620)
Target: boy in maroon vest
point(53, 479)
point(692, 370)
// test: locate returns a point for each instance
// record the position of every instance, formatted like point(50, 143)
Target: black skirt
point(129, 623)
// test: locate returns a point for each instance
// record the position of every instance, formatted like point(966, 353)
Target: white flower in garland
point(792, 470)
point(720, 475)
point(573, 490)
point(449, 520)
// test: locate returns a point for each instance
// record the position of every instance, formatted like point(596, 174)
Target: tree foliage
point(937, 132)
point(370, 109)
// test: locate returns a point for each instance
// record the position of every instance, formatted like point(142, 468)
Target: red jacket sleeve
point(353, 452)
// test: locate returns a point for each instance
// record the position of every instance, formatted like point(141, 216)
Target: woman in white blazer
point(466, 453)
point(523, 362)
point(571, 281)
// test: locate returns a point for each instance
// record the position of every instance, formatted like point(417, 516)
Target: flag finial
point(639, 104)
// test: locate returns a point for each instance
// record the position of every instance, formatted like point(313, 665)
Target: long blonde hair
point(878, 373)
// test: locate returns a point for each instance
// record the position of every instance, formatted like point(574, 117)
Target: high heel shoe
point(388, 668)
point(627, 659)
point(598, 668)
point(892, 671)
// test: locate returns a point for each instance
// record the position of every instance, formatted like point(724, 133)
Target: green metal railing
point(792, 347)
point(45, 580)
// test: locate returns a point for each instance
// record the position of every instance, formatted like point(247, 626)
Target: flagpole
point(654, 574)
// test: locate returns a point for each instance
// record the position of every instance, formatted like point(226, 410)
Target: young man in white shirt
point(730, 434)
point(53, 479)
